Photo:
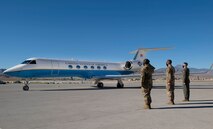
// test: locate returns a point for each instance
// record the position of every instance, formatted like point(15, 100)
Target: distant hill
point(178, 69)
point(2, 70)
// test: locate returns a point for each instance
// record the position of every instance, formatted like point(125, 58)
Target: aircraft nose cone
point(6, 71)
point(11, 72)
point(14, 71)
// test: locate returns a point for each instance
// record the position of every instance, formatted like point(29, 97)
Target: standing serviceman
point(146, 82)
point(186, 81)
point(170, 81)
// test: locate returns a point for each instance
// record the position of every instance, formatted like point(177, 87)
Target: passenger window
point(85, 67)
point(78, 66)
point(33, 62)
point(92, 67)
point(98, 67)
point(70, 66)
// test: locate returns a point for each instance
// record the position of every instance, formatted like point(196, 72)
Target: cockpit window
point(33, 62)
point(26, 62)
point(29, 62)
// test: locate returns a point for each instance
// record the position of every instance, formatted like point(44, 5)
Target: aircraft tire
point(25, 88)
point(100, 85)
point(120, 85)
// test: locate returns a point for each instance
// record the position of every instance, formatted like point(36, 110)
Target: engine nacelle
point(132, 65)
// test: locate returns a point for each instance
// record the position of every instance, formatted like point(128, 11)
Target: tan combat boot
point(171, 103)
point(147, 106)
point(185, 100)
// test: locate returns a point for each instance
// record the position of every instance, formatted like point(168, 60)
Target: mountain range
point(178, 69)
point(2, 70)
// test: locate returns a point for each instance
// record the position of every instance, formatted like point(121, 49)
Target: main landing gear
point(100, 84)
point(120, 84)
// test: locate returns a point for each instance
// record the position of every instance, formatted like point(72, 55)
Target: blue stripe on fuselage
point(66, 73)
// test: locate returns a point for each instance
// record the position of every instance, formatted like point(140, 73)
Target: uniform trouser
point(186, 91)
point(170, 92)
point(147, 97)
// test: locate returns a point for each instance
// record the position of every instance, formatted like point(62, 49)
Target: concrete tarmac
point(83, 106)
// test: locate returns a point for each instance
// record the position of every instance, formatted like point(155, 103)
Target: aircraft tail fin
point(210, 69)
point(140, 53)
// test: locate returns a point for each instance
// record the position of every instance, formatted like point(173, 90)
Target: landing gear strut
point(120, 84)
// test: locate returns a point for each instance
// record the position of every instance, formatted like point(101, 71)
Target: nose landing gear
point(26, 87)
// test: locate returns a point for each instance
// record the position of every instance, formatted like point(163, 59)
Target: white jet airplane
point(41, 68)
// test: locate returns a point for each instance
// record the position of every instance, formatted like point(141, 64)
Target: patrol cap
point(146, 61)
point(185, 63)
point(169, 61)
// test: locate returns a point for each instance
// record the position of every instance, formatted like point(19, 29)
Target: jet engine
point(132, 65)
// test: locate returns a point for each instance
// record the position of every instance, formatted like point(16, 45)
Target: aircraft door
point(55, 68)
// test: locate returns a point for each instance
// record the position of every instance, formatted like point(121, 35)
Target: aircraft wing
point(117, 76)
point(114, 77)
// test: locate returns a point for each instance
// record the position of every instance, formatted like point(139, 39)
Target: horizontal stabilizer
point(140, 53)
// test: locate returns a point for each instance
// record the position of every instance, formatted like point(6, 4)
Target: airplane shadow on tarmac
point(186, 107)
point(85, 89)
point(127, 87)
point(191, 87)
point(200, 104)
point(192, 104)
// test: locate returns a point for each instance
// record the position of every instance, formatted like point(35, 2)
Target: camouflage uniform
point(147, 84)
point(170, 83)
point(186, 82)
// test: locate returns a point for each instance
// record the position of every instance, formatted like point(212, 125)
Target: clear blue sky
point(106, 30)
